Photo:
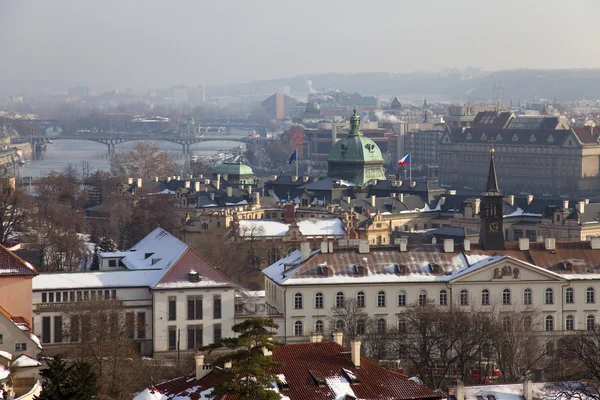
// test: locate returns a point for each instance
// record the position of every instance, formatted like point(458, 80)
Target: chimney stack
point(372, 201)
point(139, 182)
point(595, 243)
point(459, 391)
point(256, 197)
point(355, 350)
point(229, 191)
point(523, 244)
point(188, 184)
point(565, 204)
point(401, 197)
point(304, 251)
point(363, 246)
point(581, 207)
point(448, 245)
point(550, 243)
point(201, 369)
point(197, 186)
point(324, 247)
point(511, 199)
point(218, 182)
point(528, 390)
point(156, 179)
point(338, 337)
point(316, 337)
point(403, 244)
point(529, 199)
point(467, 245)
point(130, 181)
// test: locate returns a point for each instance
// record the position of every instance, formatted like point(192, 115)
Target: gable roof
point(300, 363)
point(13, 265)
point(22, 325)
point(490, 262)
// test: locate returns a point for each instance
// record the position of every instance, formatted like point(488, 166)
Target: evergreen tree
point(106, 244)
point(95, 260)
point(249, 376)
point(64, 382)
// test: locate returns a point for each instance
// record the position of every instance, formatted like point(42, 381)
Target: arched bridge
point(113, 140)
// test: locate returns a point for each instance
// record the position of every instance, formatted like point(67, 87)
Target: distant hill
point(471, 84)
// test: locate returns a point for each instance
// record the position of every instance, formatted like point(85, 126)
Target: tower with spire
point(491, 231)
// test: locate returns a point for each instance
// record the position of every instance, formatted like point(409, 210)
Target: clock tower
point(491, 232)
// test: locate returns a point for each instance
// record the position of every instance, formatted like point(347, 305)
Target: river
point(67, 151)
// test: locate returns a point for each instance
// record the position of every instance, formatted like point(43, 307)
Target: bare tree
point(15, 208)
point(144, 161)
point(350, 317)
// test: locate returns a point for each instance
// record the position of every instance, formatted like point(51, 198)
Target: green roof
point(233, 169)
point(355, 147)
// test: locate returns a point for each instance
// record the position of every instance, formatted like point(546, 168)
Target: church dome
point(233, 169)
point(313, 108)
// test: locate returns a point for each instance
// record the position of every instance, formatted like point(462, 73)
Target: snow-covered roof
point(4, 372)
point(6, 355)
point(158, 250)
point(150, 394)
point(308, 227)
point(540, 390)
point(97, 279)
point(24, 361)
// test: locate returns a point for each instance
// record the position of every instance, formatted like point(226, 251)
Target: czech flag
point(405, 160)
point(293, 157)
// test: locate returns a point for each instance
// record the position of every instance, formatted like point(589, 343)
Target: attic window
point(282, 382)
point(498, 137)
point(434, 268)
point(532, 138)
point(491, 397)
point(515, 138)
point(288, 266)
point(359, 269)
point(480, 398)
point(567, 265)
point(350, 376)
point(469, 136)
point(147, 255)
point(400, 269)
point(483, 136)
point(317, 377)
point(193, 276)
point(155, 260)
point(550, 139)
point(325, 270)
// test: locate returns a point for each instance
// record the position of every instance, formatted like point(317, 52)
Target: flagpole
point(296, 162)
point(410, 169)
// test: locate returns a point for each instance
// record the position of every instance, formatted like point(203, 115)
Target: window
point(443, 297)
point(273, 256)
point(194, 304)
point(485, 297)
point(319, 326)
point(172, 338)
point(44, 297)
point(74, 328)
point(298, 301)
point(217, 306)
point(194, 337)
point(113, 294)
point(422, 297)
point(360, 299)
point(527, 296)
point(549, 296)
point(506, 324)
point(46, 330)
point(569, 296)
point(569, 323)
point(112, 263)
point(86, 296)
point(527, 321)
point(130, 325)
point(402, 325)
point(590, 295)
point(69, 295)
point(464, 297)
point(339, 299)
point(402, 299)
point(51, 297)
point(381, 325)
point(172, 309)
point(217, 333)
point(339, 325)
point(590, 323)
point(549, 323)
point(298, 330)
point(93, 295)
point(506, 296)
point(106, 294)
point(58, 329)
point(141, 325)
point(319, 300)
point(360, 327)
point(20, 346)
point(381, 299)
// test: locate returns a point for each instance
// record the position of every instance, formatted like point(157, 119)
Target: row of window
point(381, 325)
point(55, 335)
point(79, 295)
point(590, 297)
point(194, 336)
point(195, 307)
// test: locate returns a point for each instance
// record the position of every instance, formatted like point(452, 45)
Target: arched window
point(402, 298)
point(298, 301)
point(273, 256)
point(298, 329)
point(402, 325)
point(360, 299)
point(590, 323)
point(422, 297)
point(506, 324)
point(381, 325)
point(549, 296)
point(527, 296)
point(339, 325)
point(569, 296)
point(381, 299)
point(319, 326)
point(464, 297)
point(485, 297)
point(204, 225)
point(319, 300)
point(292, 249)
point(339, 299)
point(590, 295)
point(569, 323)
point(360, 327)
point(443, 297)
point(506, 296)
point(549, 323)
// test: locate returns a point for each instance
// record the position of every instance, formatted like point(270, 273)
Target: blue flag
point(292, 158)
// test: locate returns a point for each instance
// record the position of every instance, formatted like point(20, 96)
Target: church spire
point(492, 181)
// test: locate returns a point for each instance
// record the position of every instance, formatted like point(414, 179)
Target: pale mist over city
point(299, 200)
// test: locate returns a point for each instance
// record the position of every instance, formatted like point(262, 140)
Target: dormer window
point(550, 139)
point(400, 269)
point(469, 136)
point(515, 138)
point(483, 136)
point(498, 137)
point(532, 138)
point(193, 276)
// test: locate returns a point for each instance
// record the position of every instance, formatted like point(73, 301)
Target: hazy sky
point(149, 43)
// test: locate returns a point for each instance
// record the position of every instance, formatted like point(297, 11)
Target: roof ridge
point(19, 259)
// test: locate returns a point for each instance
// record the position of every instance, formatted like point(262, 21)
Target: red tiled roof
point(178, 274)
point(13, 265)
point(585, 135)
point(326, 359)
point(16, 320)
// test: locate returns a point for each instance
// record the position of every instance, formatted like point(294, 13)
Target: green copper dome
point(355, 157)
point(236, 172)
point(313, 108)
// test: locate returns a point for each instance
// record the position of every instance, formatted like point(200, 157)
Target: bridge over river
point(112, 140)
